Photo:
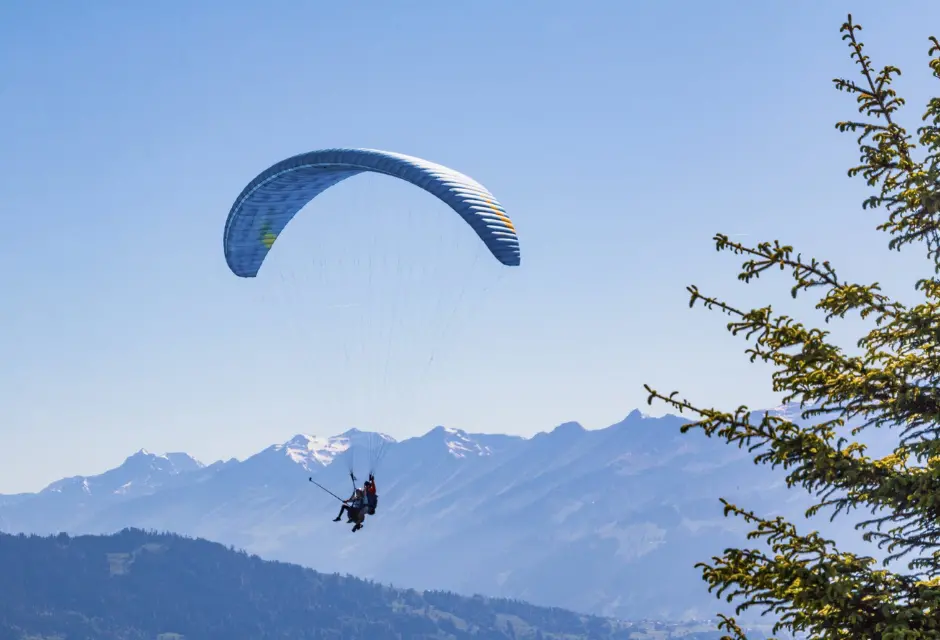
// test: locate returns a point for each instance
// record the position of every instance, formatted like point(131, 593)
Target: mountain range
point(608, 521)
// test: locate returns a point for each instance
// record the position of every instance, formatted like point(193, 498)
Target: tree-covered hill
point(142, 585)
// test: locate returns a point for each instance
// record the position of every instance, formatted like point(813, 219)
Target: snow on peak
point(141, 472)
point(459, 443)
point(789, 411)
point(310, 451)
point(307, 450)
point(369, 439)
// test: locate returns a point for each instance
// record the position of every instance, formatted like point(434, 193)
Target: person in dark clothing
point(353, 508)
point(372, 498)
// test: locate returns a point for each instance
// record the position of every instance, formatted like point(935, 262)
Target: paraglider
point(271, 200)
point(361, 503)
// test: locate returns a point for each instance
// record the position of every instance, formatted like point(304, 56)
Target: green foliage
point(894, 383)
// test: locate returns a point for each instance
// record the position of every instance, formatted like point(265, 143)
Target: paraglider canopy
point(273, 198)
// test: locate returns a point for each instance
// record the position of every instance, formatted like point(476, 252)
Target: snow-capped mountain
point(610, 521)
point(75, 498)
point(140, 474)
point(313, 452)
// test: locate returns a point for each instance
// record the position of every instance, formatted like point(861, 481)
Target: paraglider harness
point(362, 501)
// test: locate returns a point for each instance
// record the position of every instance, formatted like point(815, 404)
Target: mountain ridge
point(606, 521)
point(325, 449)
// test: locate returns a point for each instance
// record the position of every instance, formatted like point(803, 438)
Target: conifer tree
point(893, 383)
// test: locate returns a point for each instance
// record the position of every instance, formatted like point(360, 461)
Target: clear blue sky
point(619, 135)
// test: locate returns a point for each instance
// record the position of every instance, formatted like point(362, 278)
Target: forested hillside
point(136, 585)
